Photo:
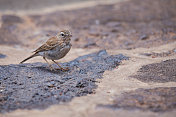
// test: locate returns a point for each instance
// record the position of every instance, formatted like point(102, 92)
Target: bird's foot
point(52, 69)
point(63, 69)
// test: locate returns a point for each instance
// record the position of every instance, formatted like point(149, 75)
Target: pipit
point(54, 48)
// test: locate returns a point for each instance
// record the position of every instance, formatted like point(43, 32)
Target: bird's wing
point(49, 45)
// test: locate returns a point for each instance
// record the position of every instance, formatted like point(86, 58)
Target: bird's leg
point(64, 69)
point(51, 68)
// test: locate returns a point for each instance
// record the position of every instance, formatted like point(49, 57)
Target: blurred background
point(27, 5)
point(129, 27)
point(32, 4)
point(112, 24)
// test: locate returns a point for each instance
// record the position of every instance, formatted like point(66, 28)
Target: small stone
point(29, 76)
point(127, 43)
point(97, 22)
point(147, 54)
point(114, 30)
point(11, 19)
point(89, 44)
point(174, 37)
point(75, 38)
point(143, 37)
point(113, 24)
point(2, 56)
point(85, 27)
point(175, 50)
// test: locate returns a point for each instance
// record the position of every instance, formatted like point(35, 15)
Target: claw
point(63, 69)
point(51, 68)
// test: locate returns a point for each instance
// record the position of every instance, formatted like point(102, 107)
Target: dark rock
point(146, 54)
point(143, 37)
point(158, 72)
point(7, 35)
point(162, 54)
point(11, 19)
point(115, 30)
point(75, 38)
point(36, 86)
point(89, 44)
point(2, 56)
point(156, 100)
point(174, 37)
point(85, 27)
point(113, 24)
point(127, 43)
point(175, 50)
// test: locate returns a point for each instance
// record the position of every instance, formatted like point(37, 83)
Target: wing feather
point(49, 45)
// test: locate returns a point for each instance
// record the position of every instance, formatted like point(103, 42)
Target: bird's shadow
point(43, 67)
point(55, 70)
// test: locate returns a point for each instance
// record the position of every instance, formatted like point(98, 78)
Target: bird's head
point(64, 35)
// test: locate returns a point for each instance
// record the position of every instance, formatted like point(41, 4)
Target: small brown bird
point(55, 48)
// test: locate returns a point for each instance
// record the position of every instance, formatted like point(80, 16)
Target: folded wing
point(49, 45)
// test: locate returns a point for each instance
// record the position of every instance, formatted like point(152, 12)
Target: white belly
point(56, 53)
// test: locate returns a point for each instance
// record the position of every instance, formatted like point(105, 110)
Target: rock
point(127, 43)
point(143, 37)
point(36, 86)
point(158, 72)
point(175, 50)
point(174, 37)
point(115, 30)
point(76, 39)
point(11, 19)
point(89, 44)
point(113, 24)
point(146, 54)
point(2, 56)
point(156, 100)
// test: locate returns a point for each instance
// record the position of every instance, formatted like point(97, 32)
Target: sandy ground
point(108, 87)
point(113, 83)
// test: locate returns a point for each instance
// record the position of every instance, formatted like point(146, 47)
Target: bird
point(54, 48)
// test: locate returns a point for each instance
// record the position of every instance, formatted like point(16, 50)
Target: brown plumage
point(54, 48)
point(50, 44)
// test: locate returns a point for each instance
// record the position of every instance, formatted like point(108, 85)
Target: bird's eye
point(62, 34)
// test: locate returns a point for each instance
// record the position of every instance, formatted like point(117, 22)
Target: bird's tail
point(35, 54)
